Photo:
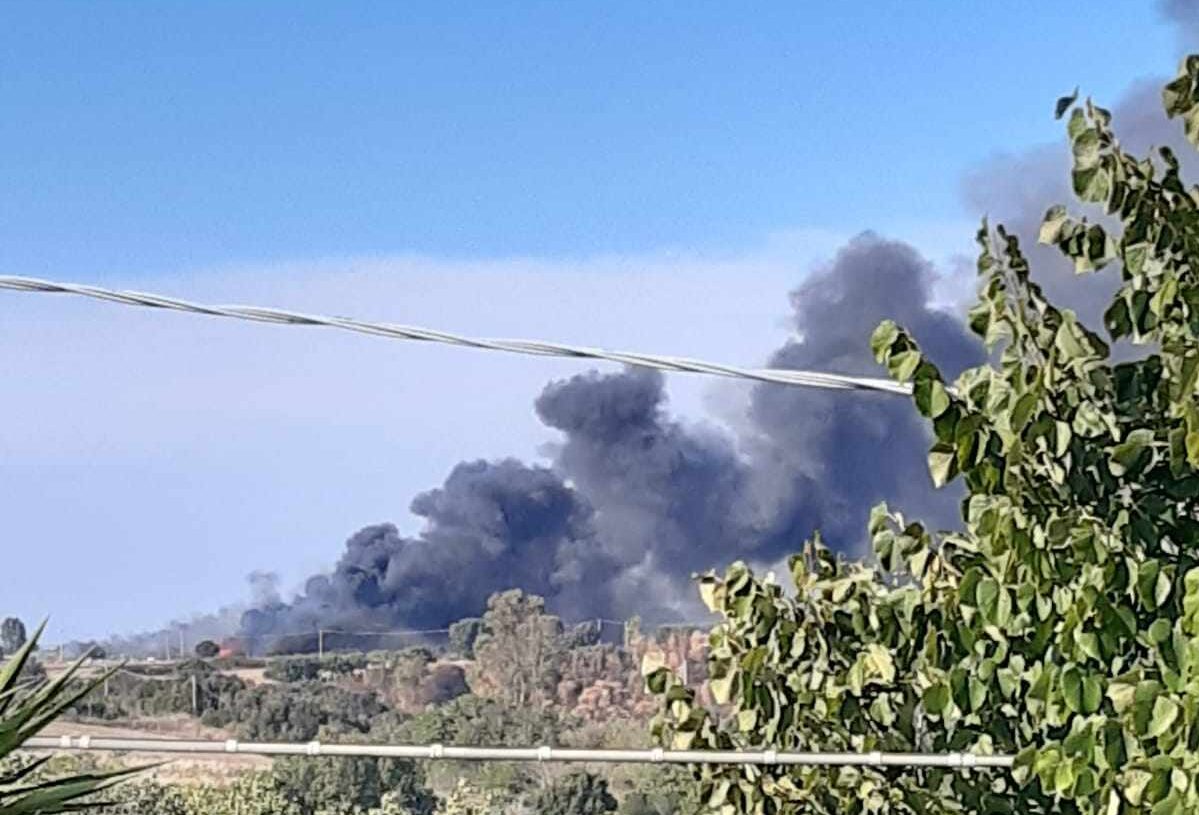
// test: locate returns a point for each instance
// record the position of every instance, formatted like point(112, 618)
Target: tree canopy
point(1061, 622)
point(12, 635)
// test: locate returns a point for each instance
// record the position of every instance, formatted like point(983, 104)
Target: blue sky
point(146, 138)
point(655, 176)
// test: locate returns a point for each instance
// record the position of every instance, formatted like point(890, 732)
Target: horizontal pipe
point(437, 752)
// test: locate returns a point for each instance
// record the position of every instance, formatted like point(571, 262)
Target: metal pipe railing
point(436, 752)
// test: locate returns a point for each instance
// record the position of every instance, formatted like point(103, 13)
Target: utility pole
point(182, 651)
point(320, 643)
point(195, 697)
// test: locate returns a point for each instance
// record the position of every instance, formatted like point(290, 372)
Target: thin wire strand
point(544, 753)
point(810, 379)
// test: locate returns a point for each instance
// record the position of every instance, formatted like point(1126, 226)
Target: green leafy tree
point(463, 635)
point(408, 671)
point(518, 653)
point(1061, 624)
point(307, 668)
point(467, 799)
point(249, 794)
point(472, 720)
point(337, 784)
point(577, 793)
point(26, 710)
point(207, 649)
point(651, 802)
point(12, 635)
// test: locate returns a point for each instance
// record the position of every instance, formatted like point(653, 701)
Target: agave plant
point(26, 708)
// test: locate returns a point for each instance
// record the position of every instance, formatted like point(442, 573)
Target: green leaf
point(722, 688)
point(747, 719)
point(1092, 694)
point(1063, 777)
point(1064, 103)
point(942, 465)
point(1052, 223)
point(1072, 691)
point(1121, 695)
point(1165, 713)
point(1170, 805)
point(1135, 783)
point(936, 699)
point(1129, 453)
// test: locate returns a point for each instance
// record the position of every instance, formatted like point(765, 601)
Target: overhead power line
point(438, 752)
point(809, 379)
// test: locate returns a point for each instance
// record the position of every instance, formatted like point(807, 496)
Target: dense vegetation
point(560, 687)
point(27, 786)
point(300, 668)
point(1062, 623)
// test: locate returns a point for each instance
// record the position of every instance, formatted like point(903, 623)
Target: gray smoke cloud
point(667, 497)
point(264, 588)
point(822, 459)
point(491, 526)
point(634, 500)
point(1017, 189)
point(169, 641)
point(1184, 13)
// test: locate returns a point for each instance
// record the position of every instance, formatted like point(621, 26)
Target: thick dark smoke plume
point(666, 497)
point(634, 501)
point(490, 527)
point(822, 459)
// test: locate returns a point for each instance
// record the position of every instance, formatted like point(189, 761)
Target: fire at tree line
point(1057, 622)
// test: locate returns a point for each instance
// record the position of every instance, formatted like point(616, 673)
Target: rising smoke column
point(822, 459)
point(635, 501)
point(670, 499)
point(491, 526)
point(654, 499)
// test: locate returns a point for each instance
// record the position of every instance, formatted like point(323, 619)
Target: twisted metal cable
point(809, 379)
